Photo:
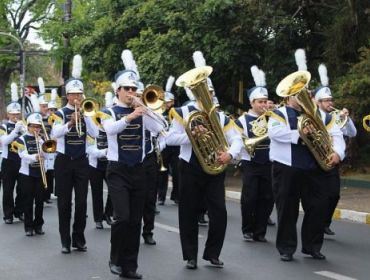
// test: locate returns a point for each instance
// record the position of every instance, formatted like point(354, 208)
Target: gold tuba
point(206, 146)
point(319, 141)
point(366, 123)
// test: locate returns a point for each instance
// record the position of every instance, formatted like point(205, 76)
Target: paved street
point(39, 257)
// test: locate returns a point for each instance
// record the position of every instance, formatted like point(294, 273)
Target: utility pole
point(66, 43)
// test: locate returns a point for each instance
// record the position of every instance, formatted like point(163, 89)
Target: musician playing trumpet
point(256, 198)
point(30, 174)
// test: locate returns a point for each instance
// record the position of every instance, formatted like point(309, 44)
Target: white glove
point(19, 127)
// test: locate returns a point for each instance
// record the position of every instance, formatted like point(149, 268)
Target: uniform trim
point(277, 117)
point(330, 124)
point(231, 124)
point(173, 114)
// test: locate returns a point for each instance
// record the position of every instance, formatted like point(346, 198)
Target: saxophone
point(207, 145)
point(319, 141)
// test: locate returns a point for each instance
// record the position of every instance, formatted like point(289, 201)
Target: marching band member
point(97, 153)
point(44, 111)
point(11, 162)
point(297, 175)
point(71, 164)
point(30, 178)
point(170, 154)
point(256, 198)
point(324, 100)
point(126, 175)
point(195, 184)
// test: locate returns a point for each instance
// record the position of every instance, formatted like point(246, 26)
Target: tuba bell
point(206, 146)
point(319, 141)
point(366, 123)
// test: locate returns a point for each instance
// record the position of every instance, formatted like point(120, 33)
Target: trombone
point(49, 145)
point(41, 160)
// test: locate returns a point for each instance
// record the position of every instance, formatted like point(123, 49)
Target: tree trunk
point(4, 80)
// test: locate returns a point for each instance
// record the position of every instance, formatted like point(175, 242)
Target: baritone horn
point(318, 141)
point(366, 123)
point(340, 120)
point(206, 145)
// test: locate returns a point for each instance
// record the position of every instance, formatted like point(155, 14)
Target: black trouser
point(151, 169)
point(97, 177)
point(50, 181)
point(194, 185)
point(127, 188)
point(289, 186)
point(71, 174)
point(333, 194)
point(170, 157)
point(256, 198)
point(33, 190)
point(10, 170)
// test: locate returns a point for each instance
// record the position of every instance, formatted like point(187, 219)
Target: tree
point(18, 18)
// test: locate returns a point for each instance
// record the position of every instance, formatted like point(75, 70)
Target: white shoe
point(52, 196)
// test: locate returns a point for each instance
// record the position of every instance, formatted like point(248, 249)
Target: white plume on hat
point(108, 99)
point(114, 86)
point(300, 59)
point(258, 76)
point(14, 92)
point(189, 94)
point(35, 102)
point(40, 81)
point(77, 66)
point(169, 84)
point(128, 59)
point(199, 59)
point(53, 95)
point(323, 72)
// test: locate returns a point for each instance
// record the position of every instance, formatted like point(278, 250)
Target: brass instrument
point(162, 168)
point(41, 161)
point(153, 98)
point(341, 121)
point(366, 123)
point(89, 107)
point(319, 141)
point(78, 122)
point(207, 145)
point(14, 146)
point(49, 145)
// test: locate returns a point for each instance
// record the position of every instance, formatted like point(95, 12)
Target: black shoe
point(248, 236)
point(148, 239)
point(39, 231)
point(191, 264)
point(79, 246)
point(48, 201)
point(202, 221)
point(216, 262)
point(270, 222)
point(66, 250)
point(99, 225)
point(115, 269)
point(8, 221)
point(20, 217)
point(29, 232)
point(131, 275)
point(108, 219)
point(314, 255)
point(160, 202)
point(286, 257)
point(328, 231)
point(259, 238)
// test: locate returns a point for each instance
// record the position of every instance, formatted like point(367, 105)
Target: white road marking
point(333, 275)
point(170, 228)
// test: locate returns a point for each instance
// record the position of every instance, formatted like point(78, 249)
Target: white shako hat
point(14, 107)
point(74, 84)
point(34, 118)
point(260, 90)
point(323, 92)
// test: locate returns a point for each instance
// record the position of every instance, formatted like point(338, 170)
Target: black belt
point(64, 156)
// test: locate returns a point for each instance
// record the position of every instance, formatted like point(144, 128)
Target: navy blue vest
point(261, 154)
point(74, 146)
point(12, 155)
point(102, 143)
point(30, 145)
point(130, 140)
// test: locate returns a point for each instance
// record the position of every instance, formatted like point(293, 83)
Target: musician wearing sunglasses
point(125, 125)
point(30, 177)
point(71, 164)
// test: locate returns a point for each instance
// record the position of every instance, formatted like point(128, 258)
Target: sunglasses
point(130, 88)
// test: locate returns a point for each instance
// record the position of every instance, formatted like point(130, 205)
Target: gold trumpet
point(162, 168)
point(78, 122)
point(340, 120)
point(41, 160)
point(153, 98)
point(366, 123)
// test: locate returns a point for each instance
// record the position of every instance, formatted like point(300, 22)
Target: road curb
point(339, 214)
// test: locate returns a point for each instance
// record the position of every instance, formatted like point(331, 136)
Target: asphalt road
point(39, 257)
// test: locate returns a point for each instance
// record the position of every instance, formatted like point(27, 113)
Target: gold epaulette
point(277, 117)
point(172, 114)
point(54, 118)
point(331, 123)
